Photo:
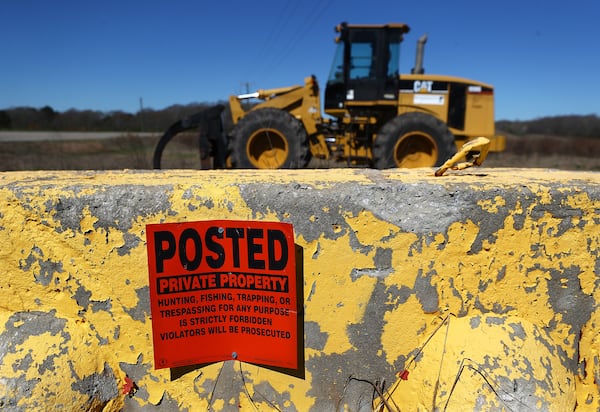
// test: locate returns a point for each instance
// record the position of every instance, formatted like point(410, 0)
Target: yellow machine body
point(369, 115)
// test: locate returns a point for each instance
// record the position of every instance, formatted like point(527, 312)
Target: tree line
point(586, 126)
point(150, 120)
point(48, 119)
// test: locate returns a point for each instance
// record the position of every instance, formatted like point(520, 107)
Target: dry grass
point(548, 152)
point(131, 152)
point(134, 152)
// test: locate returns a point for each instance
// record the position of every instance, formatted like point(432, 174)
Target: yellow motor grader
point(375, 116)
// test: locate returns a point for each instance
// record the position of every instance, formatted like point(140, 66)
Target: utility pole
point(246, 104)
point(141, 115)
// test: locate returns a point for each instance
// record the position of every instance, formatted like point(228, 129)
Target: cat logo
point(422, 86)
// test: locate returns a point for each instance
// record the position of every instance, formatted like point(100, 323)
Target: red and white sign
point(222, 290)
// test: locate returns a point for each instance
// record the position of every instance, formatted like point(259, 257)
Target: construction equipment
point(376, 117)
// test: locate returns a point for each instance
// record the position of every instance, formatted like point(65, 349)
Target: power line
point(280, 24)
point(316, 15)
point(279, 54)
point(275, 34)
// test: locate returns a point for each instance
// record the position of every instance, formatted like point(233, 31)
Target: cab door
point(373, 65)
point(365, 68)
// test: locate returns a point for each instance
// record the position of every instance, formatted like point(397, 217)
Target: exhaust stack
point(418, 69)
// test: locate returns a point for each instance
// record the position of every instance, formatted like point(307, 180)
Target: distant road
point(10, 136)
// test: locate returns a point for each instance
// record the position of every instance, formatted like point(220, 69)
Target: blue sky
point(542, 57)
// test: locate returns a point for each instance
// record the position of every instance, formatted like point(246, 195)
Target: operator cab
point(365, 67)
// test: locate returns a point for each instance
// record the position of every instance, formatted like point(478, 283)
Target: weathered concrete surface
point(477, 289)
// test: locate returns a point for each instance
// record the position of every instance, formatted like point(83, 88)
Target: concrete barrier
point(478, 289)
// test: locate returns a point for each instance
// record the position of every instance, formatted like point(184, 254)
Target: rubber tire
point(281, 135)
point(432, 143)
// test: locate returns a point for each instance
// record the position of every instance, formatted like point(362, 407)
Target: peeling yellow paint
point(492, 205)
point(513, 266)
point(403, 326)
point(461, 358)
point(330, 295)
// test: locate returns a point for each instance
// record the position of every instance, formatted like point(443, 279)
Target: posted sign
point(223, 290)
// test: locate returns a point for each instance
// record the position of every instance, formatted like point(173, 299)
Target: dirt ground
point(136, 152)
